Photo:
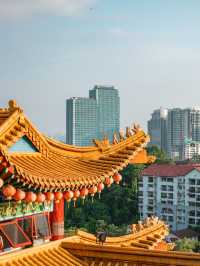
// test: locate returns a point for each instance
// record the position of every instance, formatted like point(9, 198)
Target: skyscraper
point(178, 128)
point(108, 110)
point(94, 117)
point(81, 121)
point(171, 129)
point(182, 124)
point(157, 128)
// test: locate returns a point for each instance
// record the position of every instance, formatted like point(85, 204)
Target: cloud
point(10, 9)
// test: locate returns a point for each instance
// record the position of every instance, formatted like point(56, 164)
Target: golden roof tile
point(71, 165)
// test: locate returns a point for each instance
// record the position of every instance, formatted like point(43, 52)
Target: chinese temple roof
point(145, 235)
point(82, 250)
point(60, 253)
point(50, 165)
point(50, 254)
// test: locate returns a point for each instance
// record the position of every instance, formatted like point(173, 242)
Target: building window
point(191, 221)
point(192, 213)
point(192, 181)
point(170, 218)
point(198, 198)
point(163, 195)
point(150, 201)
point(164, 187)
point(140, 201)
point(170, 195)
point(150, 209)
point(150, 194)
point(192, 189)
point(150, 179)
point(14, 234)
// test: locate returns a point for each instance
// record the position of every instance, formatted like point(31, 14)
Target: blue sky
point(55, 49)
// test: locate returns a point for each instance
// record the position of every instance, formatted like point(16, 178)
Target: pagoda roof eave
point(59, 166)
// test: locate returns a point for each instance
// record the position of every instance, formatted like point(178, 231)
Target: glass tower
point(157, 128)
point(94, 117)
point(81, 119)
point(108, 110)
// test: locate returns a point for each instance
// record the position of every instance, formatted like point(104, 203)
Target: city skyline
point(148, 50)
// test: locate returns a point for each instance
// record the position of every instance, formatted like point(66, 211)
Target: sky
point(51, 50)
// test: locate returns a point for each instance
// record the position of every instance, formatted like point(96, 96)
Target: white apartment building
point(171, 192)
point(191, 149)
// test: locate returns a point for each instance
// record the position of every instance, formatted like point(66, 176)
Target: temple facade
point(37, 174)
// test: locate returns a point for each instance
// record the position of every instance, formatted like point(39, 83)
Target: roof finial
point(13, 105)
point(115, 139)
point(121, 135)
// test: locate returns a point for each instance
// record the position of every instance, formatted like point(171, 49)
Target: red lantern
point(76, 196)
point(100, 187)
point(1, 182)
point(117, 178)
point(84, 192)
point(68, 195)
point(30, 197)
point(92, 191)
point(9, 191)
point(40, 197)
point(58, 196)
point(49, 196)
point(19, 195)
point(109, 181)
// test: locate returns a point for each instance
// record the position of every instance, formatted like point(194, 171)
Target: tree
point(117, 208)
point(187, 245)
point(161, 157)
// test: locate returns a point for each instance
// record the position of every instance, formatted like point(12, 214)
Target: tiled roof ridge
point(17, 124)
point(60, 164)
point(146, 234)
point(170, 170)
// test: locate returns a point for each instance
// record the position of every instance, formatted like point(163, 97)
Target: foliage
point(161, 157)
point(187, 245)
point(130, 175)
point(117, 208)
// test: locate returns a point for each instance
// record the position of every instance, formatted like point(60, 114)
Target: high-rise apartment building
point(94, 117)
point(169, 128)
point(190, 149)
point(182, 124)
point(157, 128)
point(178, 128)
point(171, 192)
point(108, 110)
point(81, 121)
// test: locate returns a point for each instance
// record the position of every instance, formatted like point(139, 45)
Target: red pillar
point(57, 220)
